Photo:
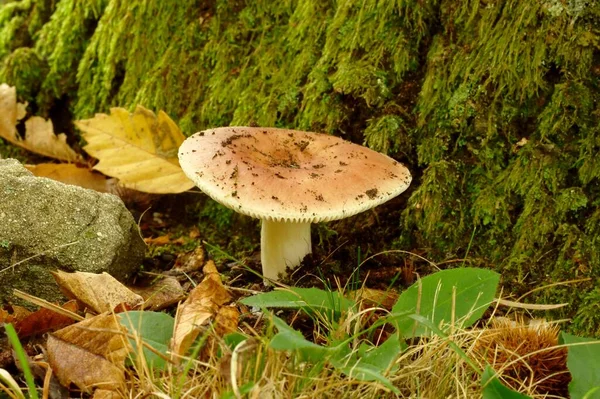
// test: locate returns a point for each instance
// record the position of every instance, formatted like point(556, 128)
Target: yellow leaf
point(72, 174)
point(39, 134)
point(140, 149)
point(100, 292)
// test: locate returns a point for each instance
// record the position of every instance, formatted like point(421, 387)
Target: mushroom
point(289, 179)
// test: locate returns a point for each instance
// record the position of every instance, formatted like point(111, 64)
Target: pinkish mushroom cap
point(290, 177)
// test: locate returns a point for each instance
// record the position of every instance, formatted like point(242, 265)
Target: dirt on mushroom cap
point(290, 175)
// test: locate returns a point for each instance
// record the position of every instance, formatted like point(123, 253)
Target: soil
point(349, 253)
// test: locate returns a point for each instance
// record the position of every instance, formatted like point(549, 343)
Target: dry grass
point(429, 368)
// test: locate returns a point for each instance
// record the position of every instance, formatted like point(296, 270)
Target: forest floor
point(351, 259)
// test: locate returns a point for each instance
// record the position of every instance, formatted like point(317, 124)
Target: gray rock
point(47, 225)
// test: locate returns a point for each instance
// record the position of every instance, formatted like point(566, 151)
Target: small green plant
point(494, 389)
point(5, 244)
point(583, 362)
point(446, 300)
point(155, 330)
point(440, 308)
point(24, 362)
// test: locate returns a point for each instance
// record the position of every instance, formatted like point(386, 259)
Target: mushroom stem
point(283, 244)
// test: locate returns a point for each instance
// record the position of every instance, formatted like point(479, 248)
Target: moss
point(61, 42)
point(23, 68)
point(388, 134)
point(13, 26)
point(494, 104)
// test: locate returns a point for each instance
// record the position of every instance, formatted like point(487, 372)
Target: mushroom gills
point(283, 244)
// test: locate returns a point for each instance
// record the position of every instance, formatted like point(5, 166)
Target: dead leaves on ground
point(39, 133)
point(139, 148)
point(91, 354)
point(161, 294)
point(204, 302)
point(98, 292)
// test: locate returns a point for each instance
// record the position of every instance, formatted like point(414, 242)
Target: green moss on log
point(493, 104)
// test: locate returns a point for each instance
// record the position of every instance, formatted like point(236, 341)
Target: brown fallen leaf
point(164, 292)
point(194, 232)
point(199, 308)
point(226, 321)
point(13, 314)
point(74, 175)
point(44, 320)
point(90, 354)
point(39, 133)
point(373, 297)
point(190, 261)
point(52, 387)
point(99, 292)
point(20, 312)
point(5, 317)
point(105, 394)
point(139, 148)
point(158, 241)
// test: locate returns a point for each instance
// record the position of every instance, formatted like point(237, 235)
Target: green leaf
point(369, 363)
point(155, 329)
point(301, 298)
point(382, 356)
point(583, 361)
point(234, 338)
point(243, 390)
point(289, 339)
point(367, 368)
point(21, 355)
point(466, 291)
point(494, 389)
point(354, 368)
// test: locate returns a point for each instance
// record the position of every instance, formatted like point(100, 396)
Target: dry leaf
point(72, 174)
point(194, 233)
point(226, 321)
point(14, 315)
point(191, 261)
point(11, 112)
point(100, 292)
point(161, 294)
point(5, 317)
point(202, 304)
point(105, 394)
point(44, 320)
point(140, 149)
point(90, 353)
point(373, 297)
point(39, 134)
point(164, 240)
point(20, 312)
point(158, 241)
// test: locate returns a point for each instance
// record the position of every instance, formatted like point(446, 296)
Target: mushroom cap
point(290, 175)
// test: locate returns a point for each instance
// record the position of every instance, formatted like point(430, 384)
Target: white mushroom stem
point(283, 244)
